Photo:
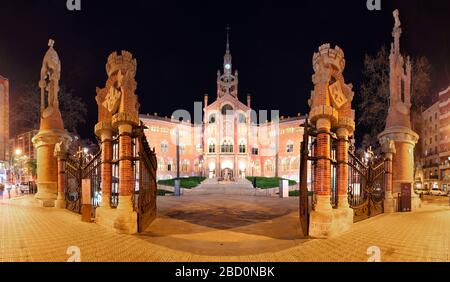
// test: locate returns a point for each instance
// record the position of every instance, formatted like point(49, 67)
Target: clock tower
point(227, 82)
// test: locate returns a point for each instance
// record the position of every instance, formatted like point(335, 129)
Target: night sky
point(180, 45)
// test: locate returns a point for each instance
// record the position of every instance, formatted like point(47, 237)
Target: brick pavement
point(220, 228)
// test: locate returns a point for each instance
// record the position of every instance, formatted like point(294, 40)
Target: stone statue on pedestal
point(398, 139)
point(51, 135)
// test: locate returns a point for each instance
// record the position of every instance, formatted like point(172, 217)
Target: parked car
point(437, 192)
point(420, 192)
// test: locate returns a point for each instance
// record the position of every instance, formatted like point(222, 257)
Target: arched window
point(212, 119)
point(295, 163)
point(242, 118)
point(242, 147)
point(227, 146)
point(227, 110)
point(268, 166)
point(285, 165)
point(161, 164)
point(196, 166)
point(212, 147)
point(185, 166)
point(257, 168)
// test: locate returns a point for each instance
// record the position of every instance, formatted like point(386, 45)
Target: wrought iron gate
point(366, 188)
point(77, 168)
point(307, 167)
point(145, 188)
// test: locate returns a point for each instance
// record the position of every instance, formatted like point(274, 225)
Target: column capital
point(124, 118)
point(104, 130)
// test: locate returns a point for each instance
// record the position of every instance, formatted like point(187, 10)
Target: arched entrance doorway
point(227, 171)
point(227, 174)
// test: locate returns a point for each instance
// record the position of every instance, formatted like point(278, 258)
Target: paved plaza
point(220, 228)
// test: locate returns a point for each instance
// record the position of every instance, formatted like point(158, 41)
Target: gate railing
point(366, 187)
point(357, 180)
point(77, 168)
point(145, 166)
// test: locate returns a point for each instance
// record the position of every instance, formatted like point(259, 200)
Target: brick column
point(342, 169)
point(322, 175)
point(126, 177)
point(321, 218)
point(126, 217)
point(106, 168)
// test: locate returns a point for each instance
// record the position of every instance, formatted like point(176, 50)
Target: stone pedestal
point(123, 219)
point(402, 161)
point(390, 204)
point(47, 165)
point(321, 219)
point(61, 202)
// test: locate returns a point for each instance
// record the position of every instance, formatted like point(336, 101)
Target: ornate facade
point(227, 142)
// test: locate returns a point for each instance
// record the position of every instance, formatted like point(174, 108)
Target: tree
point(374, 92)
point(25, 110)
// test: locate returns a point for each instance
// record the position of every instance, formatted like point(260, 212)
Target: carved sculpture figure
point(49, 83)
point(400, 82)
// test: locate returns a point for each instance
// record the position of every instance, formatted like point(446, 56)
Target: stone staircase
point(240, 187)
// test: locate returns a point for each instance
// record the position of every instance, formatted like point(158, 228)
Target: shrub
point(269, 182)
point(187, 183)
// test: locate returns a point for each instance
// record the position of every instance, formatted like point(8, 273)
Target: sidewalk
point(34, 234)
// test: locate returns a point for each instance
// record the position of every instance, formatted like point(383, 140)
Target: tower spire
point(228, 39)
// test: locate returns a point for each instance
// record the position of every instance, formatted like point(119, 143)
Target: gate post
point(104, 214)
point(345, 214)
point(118, 108)
point(322, 216)
point(126, 221)
point(330, 109)
point(390, 203)
point(61, 154)
point(105, 134)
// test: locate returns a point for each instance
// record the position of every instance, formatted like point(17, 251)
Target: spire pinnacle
point(228, 39)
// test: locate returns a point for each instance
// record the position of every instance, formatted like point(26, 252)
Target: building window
point(290, 147)
point(182, 149)
point(268, 166)
point(185, 166)
point(227, 110)
point(164, 147)
point(285, 164)
point(161, 165)
point(170, 166)
point(242, 147)
point(255, 151)
point(212, 147)
point(212, 119)
point(242, 118)
point(227, 147)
